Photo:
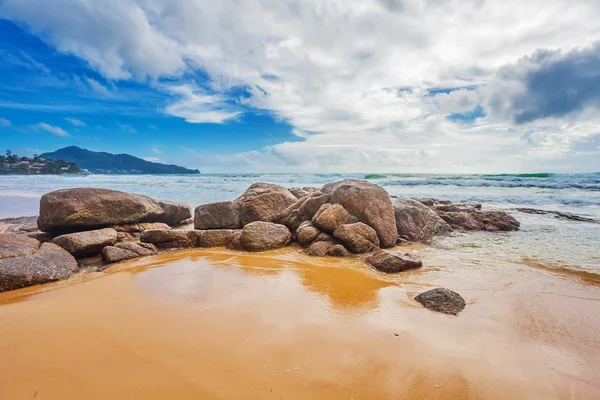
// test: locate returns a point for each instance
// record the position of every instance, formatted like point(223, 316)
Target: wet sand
point(202, 324)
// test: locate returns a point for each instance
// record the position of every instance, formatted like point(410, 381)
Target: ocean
point(544, 241)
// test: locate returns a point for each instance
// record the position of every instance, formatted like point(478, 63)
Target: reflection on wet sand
point(222, 325)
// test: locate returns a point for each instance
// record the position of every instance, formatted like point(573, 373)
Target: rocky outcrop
point(261, 236)
point(369, 203)
point(306, 233)
point(264, 202)
point(338, 250)
point(319, 249)
point(416, 221)
point(127, 251)
point(133, 232)
point(221, 215)
point(357, 237)
point(330, 216)
point(26, 262)
point(212, 237)
point(442, 300)
point(73, 210)
point(89, 243)
point(168, 238)
point(303, 210)
point(300, 192)
point(391, 263)
point(475, 219)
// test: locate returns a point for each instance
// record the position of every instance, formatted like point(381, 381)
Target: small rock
point(306, 233)
point(319, 249)
point(235, 241)
point(442, 300)
point(358, 237)
point(88, 243)
point(126, 251)
point(338, 251)
point(211, 238)
point(391, 263)
point(168, 238)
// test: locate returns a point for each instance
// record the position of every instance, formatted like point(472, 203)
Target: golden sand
point(219, 325)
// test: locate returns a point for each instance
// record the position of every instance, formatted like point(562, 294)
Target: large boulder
point(369, 203)
point(417, 221)
point(88, 243)
point(261, 236)
point(389, 262)
point(221, 215)
point(26, 262)
point(442, 300)
point(330, 216)
point(357, 237)
point(73, 210)
point(168, 238)
point(126, 251)
point(212, 237)
point(475, 219)
point(306, 233)
point(264, 202)
point(303, 210)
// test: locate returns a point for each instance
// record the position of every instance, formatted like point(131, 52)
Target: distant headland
point(12, 164)
point(107, 163)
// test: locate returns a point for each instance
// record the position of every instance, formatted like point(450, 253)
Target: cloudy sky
point(457, 86)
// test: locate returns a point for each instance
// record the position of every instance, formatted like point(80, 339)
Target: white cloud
point(353, 78)
point(76, 122)
point(156, 150)
point(55, 130)
point(97, 87)
point(152, 159)
point(189, 150)
point(4, 122)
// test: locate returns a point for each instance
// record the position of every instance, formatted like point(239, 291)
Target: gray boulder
point(417, 221)
point(357, 237)
point(88, 243)
point(212, 237)
point(261, 236)
point(442, 300)
point(25, 262)
point(391, 263)
point(221, 215)
point(330, 216)
point(168, 238)
point(369, 203)
point(127, 251)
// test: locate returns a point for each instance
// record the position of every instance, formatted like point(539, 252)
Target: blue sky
point(320, 86)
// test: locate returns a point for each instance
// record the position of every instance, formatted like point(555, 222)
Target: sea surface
point(544, 241)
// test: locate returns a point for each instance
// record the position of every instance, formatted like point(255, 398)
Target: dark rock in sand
point(416, 221)
point(261, 236)
point(357, 237)
point(25, 262)
point(480, 220)
point(337, 250)
point(303, 210)
point(306, 233)
point(391, 263)
point(319, 249)
point(212, 237)
point(88, 243)
point(73, 210)
point(168, 238)
point(300, 192)
point(369, 203)
point(264, 202)
point(330, 216)
point(442, 300)
point(221, 215)
point(235, 241)
point(127, 251)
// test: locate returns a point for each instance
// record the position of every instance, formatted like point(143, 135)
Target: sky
point(323, 86)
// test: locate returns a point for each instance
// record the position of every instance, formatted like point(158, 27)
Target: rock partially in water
point(306, 233)
point(168, 238)
point(261, 236)
point(416, 221)
point(88, 243)
point(558, 214)
point(330, 216)
point(338, 250)
point(221, 215)
point(127, 251)
point(264, 202)
point(25, 262)
point(369, 203)
point(357, 237)
point(212, 237)
point(73, 210)
point(480, 220)
point(391, 263)
point(235, 241)
point(319, 249)
point(442, 300)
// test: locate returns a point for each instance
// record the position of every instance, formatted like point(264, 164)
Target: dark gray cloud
point(548, 84)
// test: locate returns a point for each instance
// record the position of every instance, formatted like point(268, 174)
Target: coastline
point(223, 324)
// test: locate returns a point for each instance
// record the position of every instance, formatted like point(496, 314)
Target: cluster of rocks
point(344, 218)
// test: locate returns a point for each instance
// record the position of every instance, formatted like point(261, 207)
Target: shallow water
point(543, 239)
point(221, 325)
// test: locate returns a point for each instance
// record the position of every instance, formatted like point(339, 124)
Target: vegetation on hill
point(12, 164)
point(107, 163)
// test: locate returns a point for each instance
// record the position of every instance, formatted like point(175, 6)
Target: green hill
point(106, 163)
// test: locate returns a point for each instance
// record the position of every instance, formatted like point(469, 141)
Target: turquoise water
point(543, 239)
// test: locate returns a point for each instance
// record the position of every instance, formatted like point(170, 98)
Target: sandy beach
point(220, 324)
